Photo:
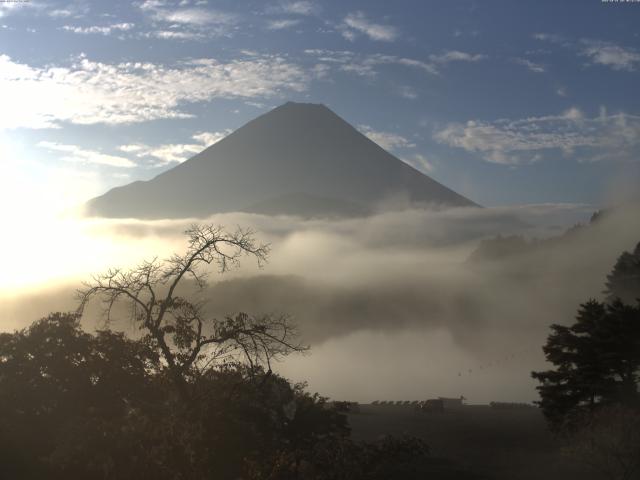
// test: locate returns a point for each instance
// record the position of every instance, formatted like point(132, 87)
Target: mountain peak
point(294, 109)
point(297, 150)
point(291, 103)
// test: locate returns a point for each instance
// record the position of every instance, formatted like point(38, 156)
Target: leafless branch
point(189, 342)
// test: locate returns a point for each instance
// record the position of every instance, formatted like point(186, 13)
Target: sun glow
point(44, 237)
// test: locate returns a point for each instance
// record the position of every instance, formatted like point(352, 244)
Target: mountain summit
point(299, 159)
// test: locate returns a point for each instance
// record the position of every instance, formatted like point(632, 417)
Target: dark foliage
point(512, 246)
point(596, 360)
point(609, 442)
point(499, 247)
point(624, 280)
point(65, 393)
point(75, 405)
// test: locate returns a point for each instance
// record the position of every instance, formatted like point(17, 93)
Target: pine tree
point(596, 360)
point(624, 280)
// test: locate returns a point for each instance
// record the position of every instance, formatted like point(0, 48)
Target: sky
point(508, 103)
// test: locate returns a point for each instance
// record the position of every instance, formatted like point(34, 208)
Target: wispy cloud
point(282, 24)
point(102, 30)
point(571, 134)
point(74, 153)
point(366, 65)
point(175, 152)
point(11, 7)
point(357, 23)
point(192, 21)
point(176, 35)
point(610, 55)
point(598, 52)
point(549, 37)
point(195, 16)
point(302, 7)
point(532, 66)
point(387, 140)
point(88, 92)
point(405, 91)
point(419, 161)
point(76, 10)
point(456, 56)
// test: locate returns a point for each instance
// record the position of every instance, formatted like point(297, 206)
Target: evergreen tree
point(596, 360)
point(624, 280)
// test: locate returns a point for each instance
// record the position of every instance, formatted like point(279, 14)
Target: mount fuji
point(298, 159)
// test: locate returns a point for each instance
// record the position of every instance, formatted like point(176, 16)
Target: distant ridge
point(297, 159)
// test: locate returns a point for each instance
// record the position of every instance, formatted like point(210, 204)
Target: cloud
point(302, 7)
point(598, 52)
point(88, 92)
point(76, 10)
point(407, 62)
point(405, 91)
point(532, 66)
point(387, 140)
point(61, 13)
point(195, 16)
point(175, 152)
point(187, 22)
point(456, 56)
point(367, 65)
point(605, 137)
point(11, 7)
point(74, 153)
point(282, 24)
point(102, 30)
point(610, 55)
point(357, 23)
point(209, 138)
point(549, 37)
point(176, 35)
point(419, 161)
point(165, 12)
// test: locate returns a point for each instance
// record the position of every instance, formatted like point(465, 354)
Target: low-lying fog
point(391, 304)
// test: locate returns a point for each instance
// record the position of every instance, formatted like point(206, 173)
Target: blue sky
point(505, 102)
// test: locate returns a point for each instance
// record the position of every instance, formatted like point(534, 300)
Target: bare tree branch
point(178, 327)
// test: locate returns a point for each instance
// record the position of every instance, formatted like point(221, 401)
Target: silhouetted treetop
point(624, 280)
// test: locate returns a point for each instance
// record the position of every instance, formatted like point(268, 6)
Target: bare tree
point(189, 341)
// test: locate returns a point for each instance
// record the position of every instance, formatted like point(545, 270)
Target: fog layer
point(391, 304)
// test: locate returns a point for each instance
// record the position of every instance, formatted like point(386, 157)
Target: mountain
point(299, 158)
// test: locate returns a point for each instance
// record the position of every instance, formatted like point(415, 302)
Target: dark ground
point(490, 443)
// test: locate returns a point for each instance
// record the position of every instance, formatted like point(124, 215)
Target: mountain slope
point(294, 150)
